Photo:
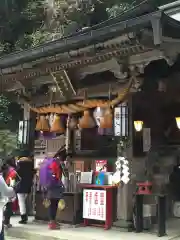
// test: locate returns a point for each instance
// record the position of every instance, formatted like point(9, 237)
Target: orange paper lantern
point(86, 121)
point(57, 126)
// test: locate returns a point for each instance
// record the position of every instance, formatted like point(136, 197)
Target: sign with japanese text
point(121, 120)
point(94, 204)
point(101, 165)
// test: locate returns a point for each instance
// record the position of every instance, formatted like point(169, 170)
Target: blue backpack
point(46, 176)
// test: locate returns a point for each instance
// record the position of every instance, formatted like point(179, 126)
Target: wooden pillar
point(26, 108)
point(124, 194)
point(27, 128)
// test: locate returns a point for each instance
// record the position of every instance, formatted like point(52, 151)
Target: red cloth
point(15, 206)
point(56, 169)
point(11, 175)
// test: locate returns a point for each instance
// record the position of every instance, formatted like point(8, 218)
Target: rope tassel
point(42, 124)
point(107, 120)
point(57, 125)
point(86, 121)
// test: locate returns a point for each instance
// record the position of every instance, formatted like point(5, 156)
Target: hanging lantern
point(138, 125)
point(178, 122)
point(107, 120)
point(86, 121)
point(73, 123)
point(57, 126)
point(42, 124)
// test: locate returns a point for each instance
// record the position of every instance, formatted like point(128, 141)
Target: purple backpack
point(46, 177)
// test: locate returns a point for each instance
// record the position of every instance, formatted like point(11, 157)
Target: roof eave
point(76, 42)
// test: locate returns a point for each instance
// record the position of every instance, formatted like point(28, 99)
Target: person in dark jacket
point(25, 170)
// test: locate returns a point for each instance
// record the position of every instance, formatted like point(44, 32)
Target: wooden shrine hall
point(132, 59)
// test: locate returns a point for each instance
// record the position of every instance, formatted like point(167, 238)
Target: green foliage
point(19, 18)
point(10, 113)
point(27, 23)
point(31, 40)
point(4, 109)
point(123, 144)
point(118, 9)
point(8, 142)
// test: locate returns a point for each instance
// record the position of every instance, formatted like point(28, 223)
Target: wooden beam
point(99, 91)
point(47, 68)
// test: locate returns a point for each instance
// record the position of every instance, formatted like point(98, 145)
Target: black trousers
point(8, 213)
point(53, 208)
point(2, 233)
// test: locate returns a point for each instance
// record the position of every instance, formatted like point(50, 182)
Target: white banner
point(94, 204)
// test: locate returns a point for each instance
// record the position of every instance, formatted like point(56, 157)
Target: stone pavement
point(39, 231)
point(11, 238)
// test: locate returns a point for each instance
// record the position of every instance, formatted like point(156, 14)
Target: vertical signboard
point(94, 204)
point(121, 120)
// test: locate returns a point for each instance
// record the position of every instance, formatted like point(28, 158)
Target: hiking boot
point(23, 219)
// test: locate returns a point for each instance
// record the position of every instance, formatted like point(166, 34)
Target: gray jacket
point(5, 193)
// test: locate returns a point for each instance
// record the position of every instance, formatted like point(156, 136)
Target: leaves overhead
point(19, 18)
point(8, 142)
point(4, 109)
point(27, 23)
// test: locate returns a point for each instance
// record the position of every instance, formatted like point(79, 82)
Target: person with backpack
point(50, 176)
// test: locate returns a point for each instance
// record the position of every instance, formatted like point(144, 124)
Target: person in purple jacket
point(53, 186)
